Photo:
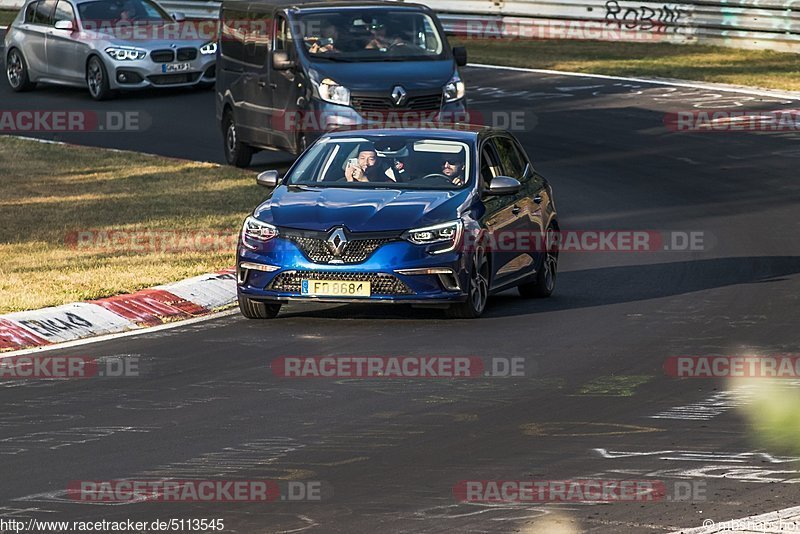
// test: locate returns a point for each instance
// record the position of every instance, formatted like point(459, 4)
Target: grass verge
point(6, 16)
point(757, 68)
point(159, 208)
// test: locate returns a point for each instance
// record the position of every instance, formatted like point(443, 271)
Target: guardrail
point(753, 24)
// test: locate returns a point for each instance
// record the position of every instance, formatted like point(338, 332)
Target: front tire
point(97, 79)
point(253, 309)
point(17, 72)
point(545, 282)
point(237, 153)
point(478, 290)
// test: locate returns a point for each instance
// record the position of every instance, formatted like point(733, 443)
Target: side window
point(64, 11)
point(490, 166)
point(30, 12)
point(258, 39)
point(233, 31)
point(513, 162)
point(44, 12)
point(283, 35)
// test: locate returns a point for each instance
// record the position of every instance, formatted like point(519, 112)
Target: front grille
point(380, 283)
point(171, 79)
point(162, 56)
point(355, 251)
point(187, 54)
point(431, 102)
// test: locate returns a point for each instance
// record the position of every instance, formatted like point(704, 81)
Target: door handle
point(262, 84)
point(273, 86)
point(538, 199)
point(515, 210)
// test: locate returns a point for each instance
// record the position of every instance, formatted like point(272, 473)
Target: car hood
point(357, 209)
point(380, 76)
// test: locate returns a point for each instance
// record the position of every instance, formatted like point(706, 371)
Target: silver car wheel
point(14, 69)
point(94, 76)
point(479, 286)
point(230, 137)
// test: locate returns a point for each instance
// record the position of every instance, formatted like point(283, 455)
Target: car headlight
point(255, 232)
point(125, 54)
point(330, 91)
point(454, 90)
point(448, 234)
point(209, 48)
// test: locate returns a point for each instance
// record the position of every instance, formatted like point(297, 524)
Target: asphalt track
point(595, 402)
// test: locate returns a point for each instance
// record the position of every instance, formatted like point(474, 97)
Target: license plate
point(174, 67)
point(334, 288)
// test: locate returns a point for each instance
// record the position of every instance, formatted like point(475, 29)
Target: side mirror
point(267, 179)
point(179, 16)
point(281, 61)
point(64, 25)
point(460, 55)
point(504, 185)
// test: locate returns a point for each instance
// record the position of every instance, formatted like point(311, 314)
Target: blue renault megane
point(439, 217)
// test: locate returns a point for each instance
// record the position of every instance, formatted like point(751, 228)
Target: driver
point(367, 168)
point(453, 167)
point(380, 40)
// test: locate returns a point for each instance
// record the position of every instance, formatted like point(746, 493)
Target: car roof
point(456, 132)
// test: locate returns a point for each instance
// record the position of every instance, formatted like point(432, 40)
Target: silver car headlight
point(330, 91)
point(448, 234)
point(126, 54)
point(209, 48)
point(454, 89)
point(255, 232)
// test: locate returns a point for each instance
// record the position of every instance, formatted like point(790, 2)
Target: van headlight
point(255, 232)
point(330, 91)
point(454, 90)
point(448, 234)
point(209, 48)
point(125, 54)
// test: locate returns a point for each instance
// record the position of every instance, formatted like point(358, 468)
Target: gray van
point(288, 72)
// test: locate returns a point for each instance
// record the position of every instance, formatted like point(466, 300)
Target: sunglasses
point(452, 163)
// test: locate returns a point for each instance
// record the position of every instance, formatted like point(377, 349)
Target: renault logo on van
point(337, 241)
point(398, 95)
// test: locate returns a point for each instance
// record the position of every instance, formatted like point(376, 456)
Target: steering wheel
point(437, 176)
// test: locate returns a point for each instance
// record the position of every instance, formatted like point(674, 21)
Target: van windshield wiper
point(334, 58)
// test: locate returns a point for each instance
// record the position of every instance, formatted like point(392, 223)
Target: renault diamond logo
point(398, 95)
point(337, 242)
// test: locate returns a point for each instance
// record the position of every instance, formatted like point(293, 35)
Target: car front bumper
point(398, 271)
point(145, 73)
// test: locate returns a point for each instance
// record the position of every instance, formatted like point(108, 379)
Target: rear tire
point(478, 290)
point(97, 79)
point(237, 153)
point(545, 282)
point(254, 309)
point(17, 72)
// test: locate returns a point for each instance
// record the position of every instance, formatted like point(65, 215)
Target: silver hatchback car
point(107, 45)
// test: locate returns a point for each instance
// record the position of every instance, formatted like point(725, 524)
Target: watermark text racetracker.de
point(578, 490)
point(198, 490)
point(397, 367)
point(73, 120)
point(587, 241)
point(151, 240)
point(738, 120)
point(40, 366)
point(731, 366)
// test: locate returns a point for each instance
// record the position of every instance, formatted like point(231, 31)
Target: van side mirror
point(179, 16)
point(460, 55)
point(64, 25)
point(267, 179)
point(281, 61)
point(504, 185)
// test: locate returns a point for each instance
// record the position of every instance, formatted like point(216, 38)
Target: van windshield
point(369, 35)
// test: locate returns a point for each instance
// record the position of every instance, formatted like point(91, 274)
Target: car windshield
point(370, 35)
point(374, 162)
point(112, 11)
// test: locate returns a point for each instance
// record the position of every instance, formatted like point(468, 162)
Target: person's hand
point(354, 174)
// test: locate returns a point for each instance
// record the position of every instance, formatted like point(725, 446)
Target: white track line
point(675, 83)
point(129, 333)
point(769, 522)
